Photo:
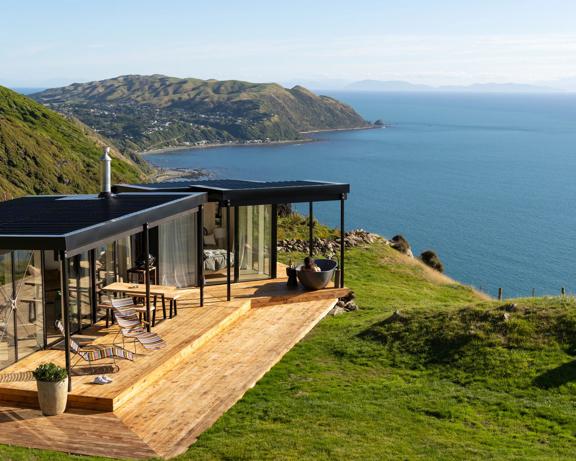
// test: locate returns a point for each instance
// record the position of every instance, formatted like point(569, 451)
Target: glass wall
point(52, 296)
point(254, 241)
point(21, 305)
point(79, 292)
point(215, 255)
point(7, 338)
point(177, 252)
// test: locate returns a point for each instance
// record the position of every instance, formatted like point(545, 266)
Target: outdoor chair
point(131, 327)
point(92, 353)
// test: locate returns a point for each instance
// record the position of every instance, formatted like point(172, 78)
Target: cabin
point(198, 262)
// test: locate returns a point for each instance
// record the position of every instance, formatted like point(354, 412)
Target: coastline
point(223, 144)
point(330, 130)
point(255, 144)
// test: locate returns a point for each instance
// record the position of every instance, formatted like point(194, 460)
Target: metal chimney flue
point(106, 173)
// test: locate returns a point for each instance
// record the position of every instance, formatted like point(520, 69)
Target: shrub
point(50, 373)
point(400, 244)
point(432, 260)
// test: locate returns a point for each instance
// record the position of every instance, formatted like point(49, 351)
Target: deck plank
point(170, 415)
point(85, 433)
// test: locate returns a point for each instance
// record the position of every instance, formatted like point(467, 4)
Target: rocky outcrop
point(399, 243)
point(345, 304)
point(329, 246)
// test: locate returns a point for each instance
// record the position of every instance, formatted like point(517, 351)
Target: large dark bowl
point(317, 280)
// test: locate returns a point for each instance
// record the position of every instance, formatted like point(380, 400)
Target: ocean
point(485, 180)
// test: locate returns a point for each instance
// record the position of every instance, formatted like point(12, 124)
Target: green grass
point(456, 378)
point(42, 152)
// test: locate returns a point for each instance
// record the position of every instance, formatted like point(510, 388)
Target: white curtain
point(177, 252)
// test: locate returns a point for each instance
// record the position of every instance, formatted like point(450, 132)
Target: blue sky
point(434, 41)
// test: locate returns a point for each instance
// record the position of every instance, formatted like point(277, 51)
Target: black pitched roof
point(245, 192)
point(74, 222)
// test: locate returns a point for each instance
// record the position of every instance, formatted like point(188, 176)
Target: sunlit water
point(488, 181)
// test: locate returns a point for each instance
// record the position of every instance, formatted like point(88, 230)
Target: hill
point(42, 152)
point(146, 112)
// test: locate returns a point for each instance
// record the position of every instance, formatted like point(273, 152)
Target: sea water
point(488, 181)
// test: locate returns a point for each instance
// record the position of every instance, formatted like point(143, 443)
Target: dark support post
point(499, 294)
point(93, 293)
point(200, 250)
point(274, 243)
point(65, 313)
point(228, 249)
point(236, 244)
point(311, 229)
point(146, 238)
point(342, 240)
point(15, 301)
point(76, 262)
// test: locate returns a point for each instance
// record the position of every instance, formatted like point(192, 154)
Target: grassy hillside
point(144, 112)
point(43, 152)
point(454, 377)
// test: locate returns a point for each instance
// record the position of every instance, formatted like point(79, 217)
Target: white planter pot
point(52, 397)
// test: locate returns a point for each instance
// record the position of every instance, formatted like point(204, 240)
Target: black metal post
point(200, 250)
point(274, 243)
point(15, 301)
point(65, 313)
point(43, 275)
point(236, 244)
point(146, 237)
point(342, 241)
point(228, 285)
point(93, 282)
point(311, 229)
point(76, 262)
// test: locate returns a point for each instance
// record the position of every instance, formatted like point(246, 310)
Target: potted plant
point(52, 388)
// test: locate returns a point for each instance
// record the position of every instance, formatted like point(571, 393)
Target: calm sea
point(486, 180)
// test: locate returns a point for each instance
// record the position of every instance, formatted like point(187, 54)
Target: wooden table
point(166, 292)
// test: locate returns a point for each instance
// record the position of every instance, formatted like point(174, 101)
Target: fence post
point(533, 292)
point(563, 291)
point(499, 294)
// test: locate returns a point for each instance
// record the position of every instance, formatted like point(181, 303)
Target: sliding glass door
point(254, 241)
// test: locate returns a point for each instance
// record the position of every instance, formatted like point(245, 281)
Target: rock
point(399, 243)
point(351, 306)
point(329, 246)
point(337, 310)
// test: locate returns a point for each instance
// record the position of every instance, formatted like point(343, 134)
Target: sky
point(52, 43)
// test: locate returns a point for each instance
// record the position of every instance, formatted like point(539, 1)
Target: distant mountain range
point(149, 112)
point(399, 85)
point(566, 84)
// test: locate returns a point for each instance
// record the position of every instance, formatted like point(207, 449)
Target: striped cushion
point(106, 352)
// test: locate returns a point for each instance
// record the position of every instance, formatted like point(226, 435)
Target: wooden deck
point(214, 354)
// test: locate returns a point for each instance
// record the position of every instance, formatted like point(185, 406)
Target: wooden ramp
point(165, 417)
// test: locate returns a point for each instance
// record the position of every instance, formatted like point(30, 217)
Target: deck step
point(190, 330)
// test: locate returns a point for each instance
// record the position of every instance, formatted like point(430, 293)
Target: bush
point(50, 373)
point(400, 244)
point(432, 260)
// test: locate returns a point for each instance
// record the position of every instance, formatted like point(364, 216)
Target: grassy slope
point(42, 152)
point(454, 381)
